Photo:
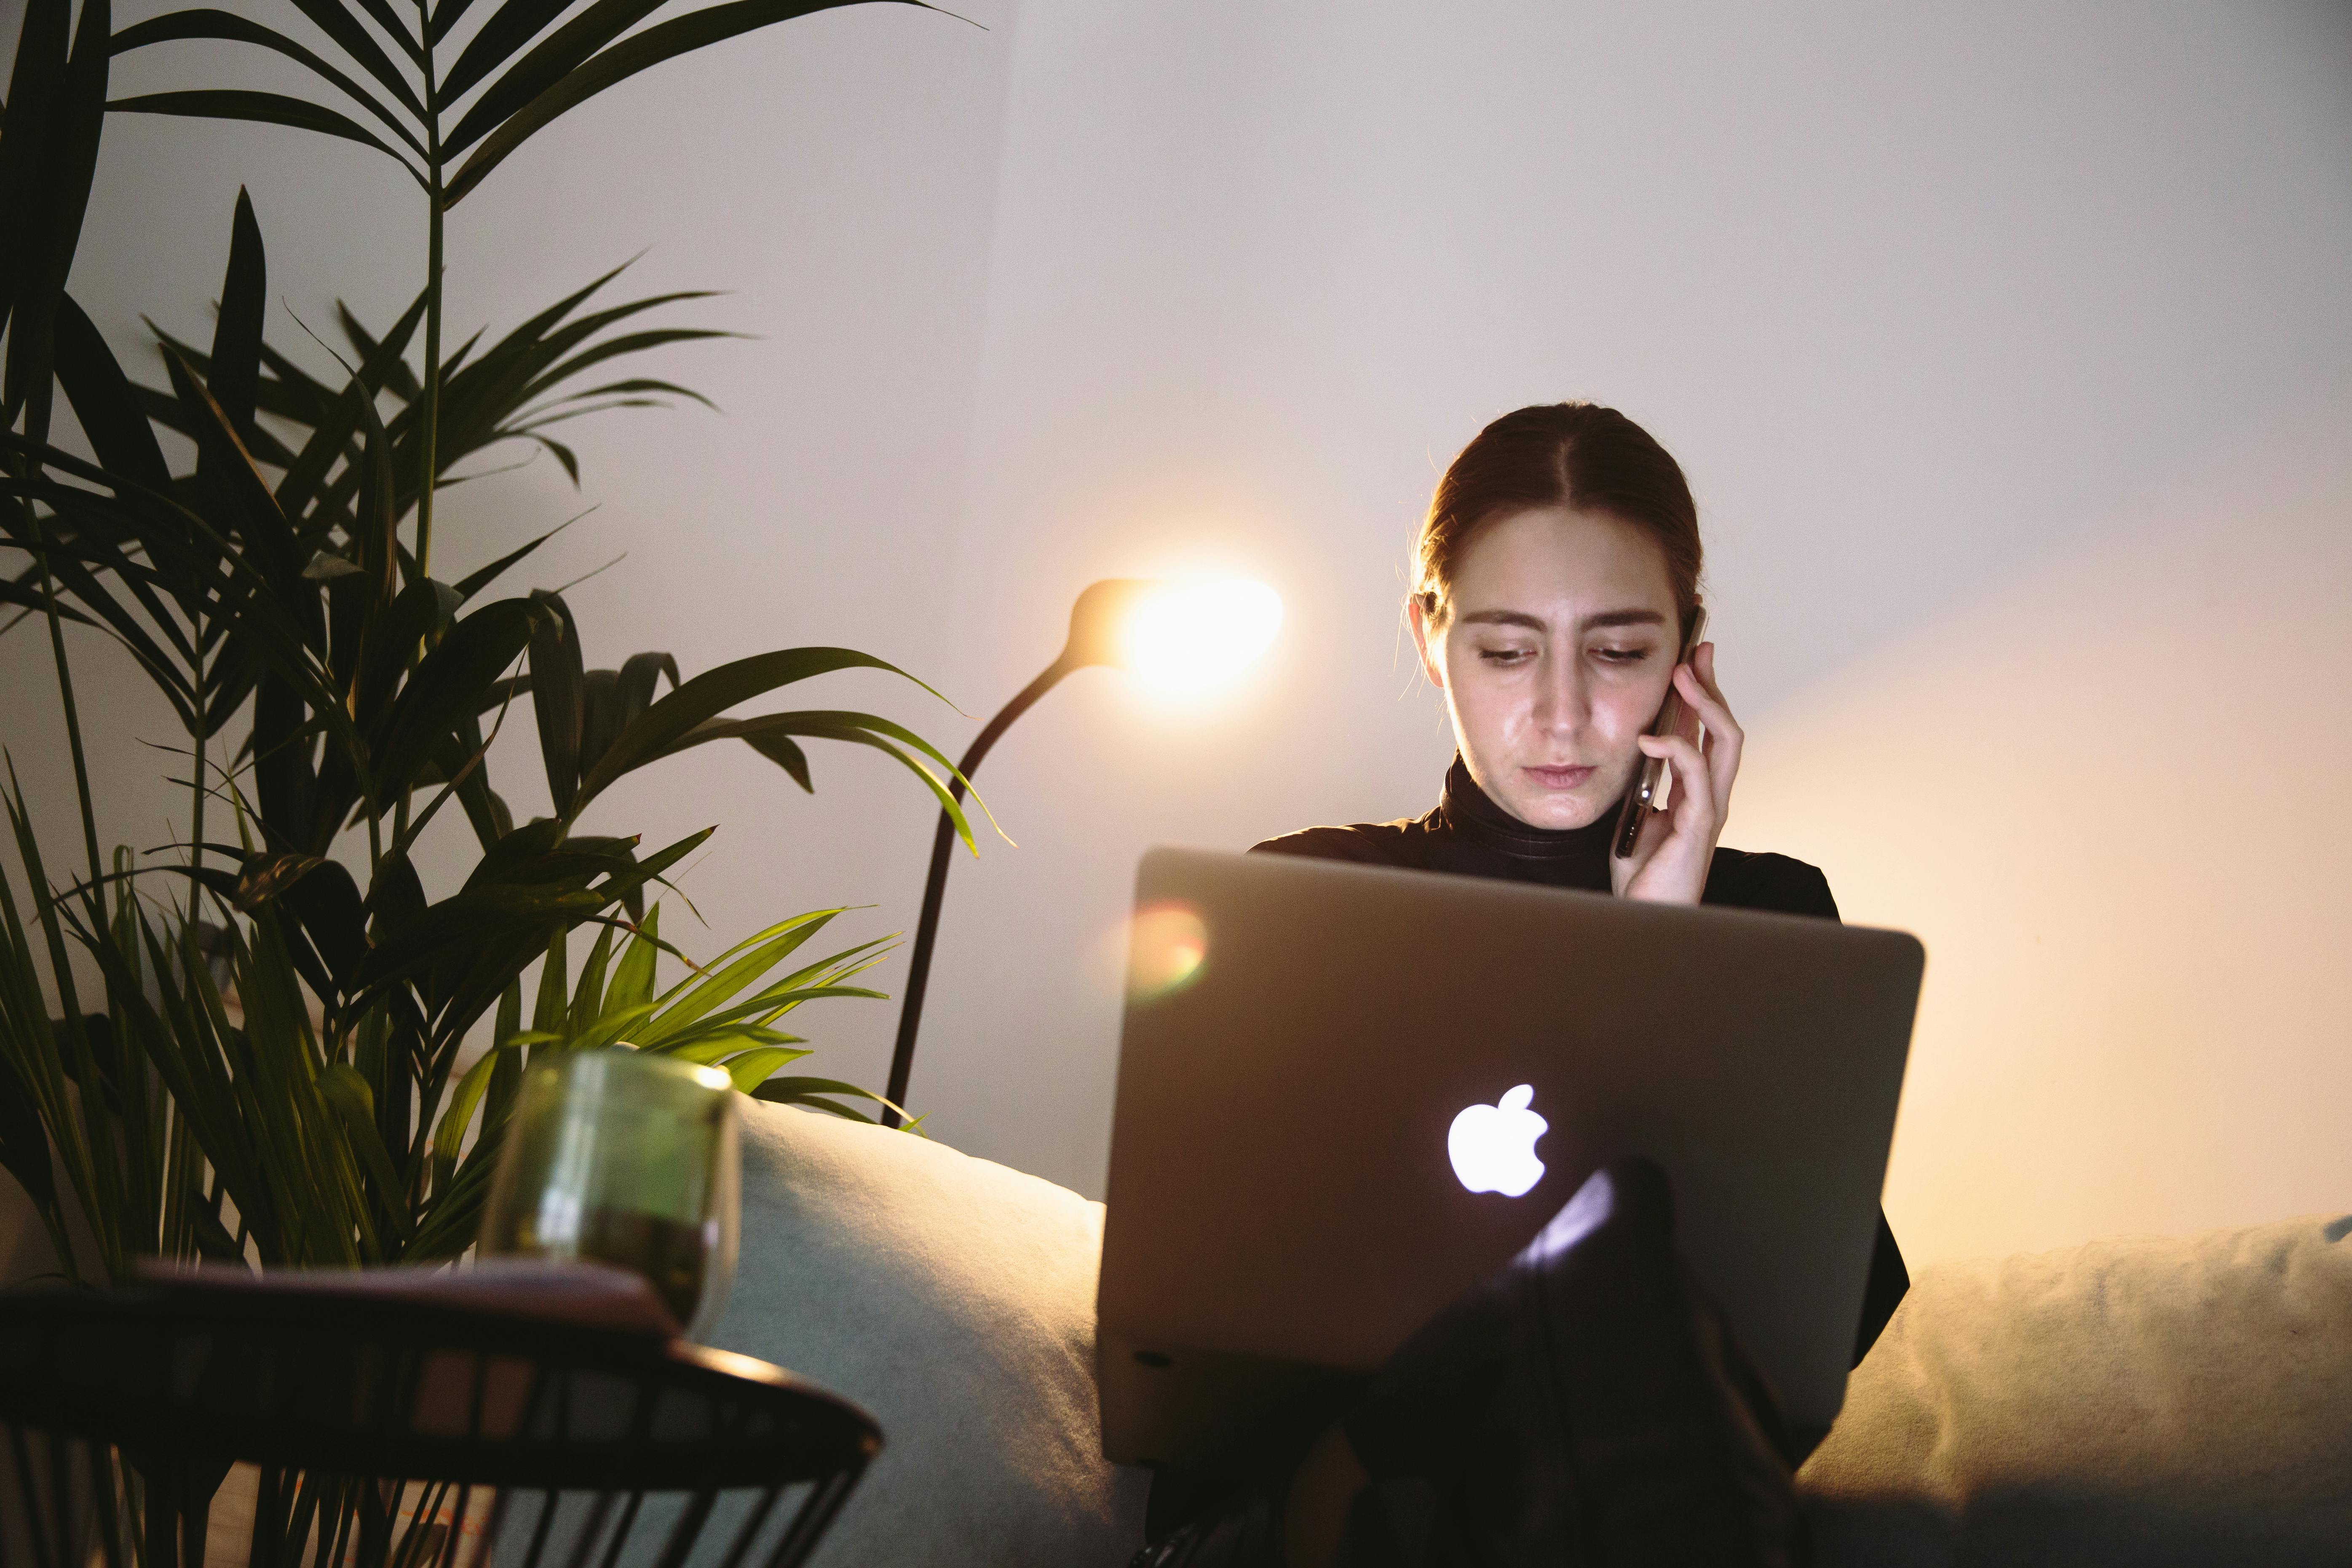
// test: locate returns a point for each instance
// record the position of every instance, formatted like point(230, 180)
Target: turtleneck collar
point(1470, 812)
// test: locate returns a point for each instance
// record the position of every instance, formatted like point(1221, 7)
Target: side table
point(402, 1427)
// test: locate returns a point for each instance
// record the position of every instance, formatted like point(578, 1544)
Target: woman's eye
point(1505, 656)
point(1621, 655)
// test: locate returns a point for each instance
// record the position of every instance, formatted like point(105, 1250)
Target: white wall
point(2007, 348)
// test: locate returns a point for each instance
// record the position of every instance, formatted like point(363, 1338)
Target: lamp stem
point(935, 886)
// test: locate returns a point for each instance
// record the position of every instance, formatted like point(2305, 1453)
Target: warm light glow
point(1167, 943)
point(1189, 637)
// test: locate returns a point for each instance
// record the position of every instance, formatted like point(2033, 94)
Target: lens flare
point(1167, 944)
point(1190, 636)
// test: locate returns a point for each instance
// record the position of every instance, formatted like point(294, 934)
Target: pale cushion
point(2142, 1400)
point(954, 1298)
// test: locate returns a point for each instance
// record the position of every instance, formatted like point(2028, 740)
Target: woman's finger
point(1692, 802)
point(1695, 682)
point(1702, 663)
point(1656, 830)
point(1725, 737)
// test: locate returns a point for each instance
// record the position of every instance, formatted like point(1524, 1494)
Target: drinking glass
point(615, 1156)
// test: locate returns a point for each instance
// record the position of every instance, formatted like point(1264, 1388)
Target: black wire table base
point(392, 1434)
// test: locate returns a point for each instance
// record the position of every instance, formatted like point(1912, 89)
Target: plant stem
point(73, 710)
point(429, 405)
point(196, 751)
point(430, 408)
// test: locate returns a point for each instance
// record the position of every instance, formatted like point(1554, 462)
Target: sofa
point(2142, 1401)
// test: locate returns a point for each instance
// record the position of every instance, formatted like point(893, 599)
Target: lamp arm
point(935, 885)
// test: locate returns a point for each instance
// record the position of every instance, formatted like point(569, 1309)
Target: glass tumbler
point(614, 1156)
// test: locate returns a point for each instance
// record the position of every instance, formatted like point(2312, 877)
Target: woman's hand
point(1675, 846)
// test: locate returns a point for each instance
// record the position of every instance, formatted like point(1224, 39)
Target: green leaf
point(469, 924)
point(447, 15)
point(707, 1043)
point(734, 970)
point(754, 1067)
point(389, 647)
point(327, 903)
point(334, 19)
point(448, 685)
point(73, 577)
point(330, 438)
point(398, 378)
point(632, 977)
point(785, 752)
point(474, 582)
point(713, 692)
point(640, 678)
point(235, 493)
point(266, 875)
point(611, 1027)
point(449, 1137)
point(29, 140)
point(562, 454)
point(614, 348)
point(261, 109)
point(547, 1013)
point(233, 375)
point(516, 23)
point(576, 85)
point(343, 1087)
point(557, 699)
point(588, 992)
point(767, 734)
point(777, 1001)
point(48, 154)
point(204, 23)
point(104, 402)
point(811, 1092)
point(643, 384)
point(376, 529)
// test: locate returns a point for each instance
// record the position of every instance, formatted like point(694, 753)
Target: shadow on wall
point(2108, 797)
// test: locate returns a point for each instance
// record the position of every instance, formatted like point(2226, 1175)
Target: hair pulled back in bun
point(1579, 456)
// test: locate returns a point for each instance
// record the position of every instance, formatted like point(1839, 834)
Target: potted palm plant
point(295, 1054)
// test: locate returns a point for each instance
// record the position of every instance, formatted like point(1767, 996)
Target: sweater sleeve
point(1776, 883)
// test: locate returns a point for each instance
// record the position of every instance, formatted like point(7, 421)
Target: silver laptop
point(1346, 1093)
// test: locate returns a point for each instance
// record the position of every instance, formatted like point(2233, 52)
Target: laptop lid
point(1297, 1138)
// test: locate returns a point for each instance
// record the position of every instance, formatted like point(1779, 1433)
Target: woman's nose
point(1562, 705)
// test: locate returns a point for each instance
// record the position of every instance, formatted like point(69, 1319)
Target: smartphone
point(1642, 798)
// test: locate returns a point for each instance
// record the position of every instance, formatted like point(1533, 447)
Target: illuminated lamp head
point(1174, 636)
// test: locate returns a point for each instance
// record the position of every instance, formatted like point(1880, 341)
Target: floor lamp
point(1177, 637)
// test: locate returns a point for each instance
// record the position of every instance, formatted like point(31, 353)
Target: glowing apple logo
point(1492, 1147)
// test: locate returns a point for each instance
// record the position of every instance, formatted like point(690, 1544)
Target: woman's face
point(1557, 649)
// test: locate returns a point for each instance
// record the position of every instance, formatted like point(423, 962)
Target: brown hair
point(1576, 455)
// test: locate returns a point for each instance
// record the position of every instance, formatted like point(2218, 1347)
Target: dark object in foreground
point(1583, 1405)
point(554, 1439)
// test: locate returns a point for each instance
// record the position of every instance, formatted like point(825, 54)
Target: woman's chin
point(1555, 810)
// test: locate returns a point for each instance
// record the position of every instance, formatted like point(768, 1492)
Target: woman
point(1554, 582)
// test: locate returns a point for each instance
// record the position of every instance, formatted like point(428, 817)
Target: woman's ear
point(1416, 611)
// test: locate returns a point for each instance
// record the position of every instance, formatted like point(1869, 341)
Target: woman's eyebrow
point(1623, 618)
point(1629, 617)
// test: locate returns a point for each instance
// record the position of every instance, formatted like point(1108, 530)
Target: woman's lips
point(1559, 778)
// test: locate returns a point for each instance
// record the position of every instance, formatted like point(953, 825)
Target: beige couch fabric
point(2142, 1400)
point(2138, 1400)
point(954, 1298)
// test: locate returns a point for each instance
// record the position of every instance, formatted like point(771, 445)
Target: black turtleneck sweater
point(1468, 835)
